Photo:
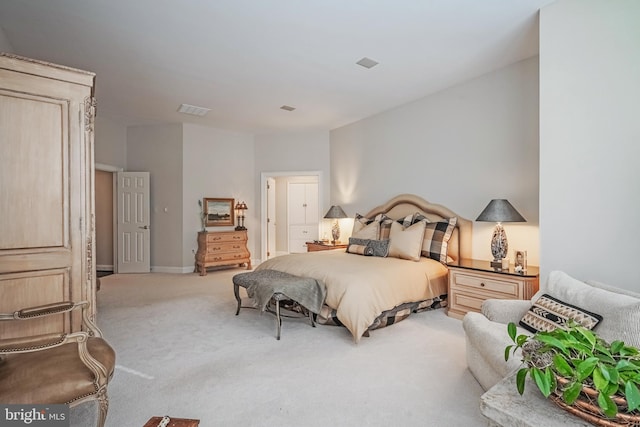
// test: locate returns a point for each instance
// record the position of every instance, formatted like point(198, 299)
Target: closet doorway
point(285, 221)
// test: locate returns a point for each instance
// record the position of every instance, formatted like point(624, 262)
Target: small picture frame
point(520, 261)
point(218, 212)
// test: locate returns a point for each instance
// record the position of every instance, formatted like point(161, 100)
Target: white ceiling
point(244, 59)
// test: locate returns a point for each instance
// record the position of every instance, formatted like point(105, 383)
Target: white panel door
point(134, 234)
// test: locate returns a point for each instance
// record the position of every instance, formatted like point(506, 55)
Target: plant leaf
point(607, 405)
point(572, 392)
point(562, 366)
point(554, 342)
point(625, 365)
point(520, 377)
point(542, 381)
point(632, 395)
point(616, 346)
point(588, 335)
point(512, 330)
point(599, 379)
point(585, 368)
point(507, 350)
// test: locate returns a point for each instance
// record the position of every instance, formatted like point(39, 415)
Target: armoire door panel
point(33, 289)
point(34, 205)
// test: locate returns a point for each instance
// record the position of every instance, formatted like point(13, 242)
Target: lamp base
point(501, 264)
point(241, 228)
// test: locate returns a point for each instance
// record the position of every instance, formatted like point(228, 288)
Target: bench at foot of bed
point(272, 285)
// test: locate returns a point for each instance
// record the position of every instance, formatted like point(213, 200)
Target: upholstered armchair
point(60, 368)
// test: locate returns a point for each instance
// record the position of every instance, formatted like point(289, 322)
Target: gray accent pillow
point(380, 247)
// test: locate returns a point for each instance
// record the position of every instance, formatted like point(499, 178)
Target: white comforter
point(360, 287)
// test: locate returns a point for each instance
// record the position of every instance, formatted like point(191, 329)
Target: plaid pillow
point(385, 225)
point(436, 239)
point(361, 221)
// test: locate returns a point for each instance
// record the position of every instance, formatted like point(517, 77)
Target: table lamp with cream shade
point(499, 211)
point(335, 212)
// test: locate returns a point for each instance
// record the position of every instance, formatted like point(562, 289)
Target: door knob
point(146, 227)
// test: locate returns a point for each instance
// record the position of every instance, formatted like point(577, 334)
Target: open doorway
point(104, 211)
point(285, 228)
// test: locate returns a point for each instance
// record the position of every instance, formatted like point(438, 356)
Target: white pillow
point(406, 243)
point(369, 231)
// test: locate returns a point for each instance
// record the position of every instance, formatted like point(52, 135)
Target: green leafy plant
point(564, 361)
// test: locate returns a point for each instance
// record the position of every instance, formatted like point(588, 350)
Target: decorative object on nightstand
point(241, 207)
point(473, 281)
point(335, 212)
point(499, 211)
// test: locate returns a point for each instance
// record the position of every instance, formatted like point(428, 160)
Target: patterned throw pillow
point(360, 250)
point(436, 239)
point(369, 231)
point(380, 248)
point(549, 313)
point(361, 221)
point(385, 225)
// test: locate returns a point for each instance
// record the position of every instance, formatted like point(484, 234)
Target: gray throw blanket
point(261, 285)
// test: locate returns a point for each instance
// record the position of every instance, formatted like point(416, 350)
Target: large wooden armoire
point(46, 191)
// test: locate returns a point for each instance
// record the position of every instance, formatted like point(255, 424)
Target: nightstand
point(473, 281)
point(313, 246)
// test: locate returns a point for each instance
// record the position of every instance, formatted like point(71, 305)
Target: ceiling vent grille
point(287, 108)
point(193, 110)
point(367, 62)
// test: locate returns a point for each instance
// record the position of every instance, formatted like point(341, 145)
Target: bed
point(369, 292)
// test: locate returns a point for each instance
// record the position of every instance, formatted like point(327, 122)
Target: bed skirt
point(327, 315)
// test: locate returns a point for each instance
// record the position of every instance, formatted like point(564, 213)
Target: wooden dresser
point(473, 281)
point(216, 248)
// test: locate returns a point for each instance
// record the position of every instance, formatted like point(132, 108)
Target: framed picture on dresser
point(520, 260)
point(218, 212)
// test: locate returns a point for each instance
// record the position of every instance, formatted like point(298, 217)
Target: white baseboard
point(104, 267)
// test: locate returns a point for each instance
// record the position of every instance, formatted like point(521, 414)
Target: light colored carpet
point(182, 352)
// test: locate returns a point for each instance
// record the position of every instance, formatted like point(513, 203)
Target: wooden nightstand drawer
point(472, 281)
point(481, 283)
point(468, 301)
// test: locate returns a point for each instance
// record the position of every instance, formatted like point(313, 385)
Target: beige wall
point(216, 163)
point(104, 220)
point(460, 147)
point(5, 46)
point(590, 139)
point(158, 150)
point(110, 142)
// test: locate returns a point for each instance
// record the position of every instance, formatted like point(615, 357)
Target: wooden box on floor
point(175, 422)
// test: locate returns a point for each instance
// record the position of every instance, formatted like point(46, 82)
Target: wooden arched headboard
point(407, 204)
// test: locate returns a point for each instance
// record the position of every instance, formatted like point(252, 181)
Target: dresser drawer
point(222, 247)
point(485, 284)
point(229, 256)
point(303, 232)
point(231, 236)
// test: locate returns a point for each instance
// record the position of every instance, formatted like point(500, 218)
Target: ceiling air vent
point(193, 110)
point(287, 108)
point(367, 62)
